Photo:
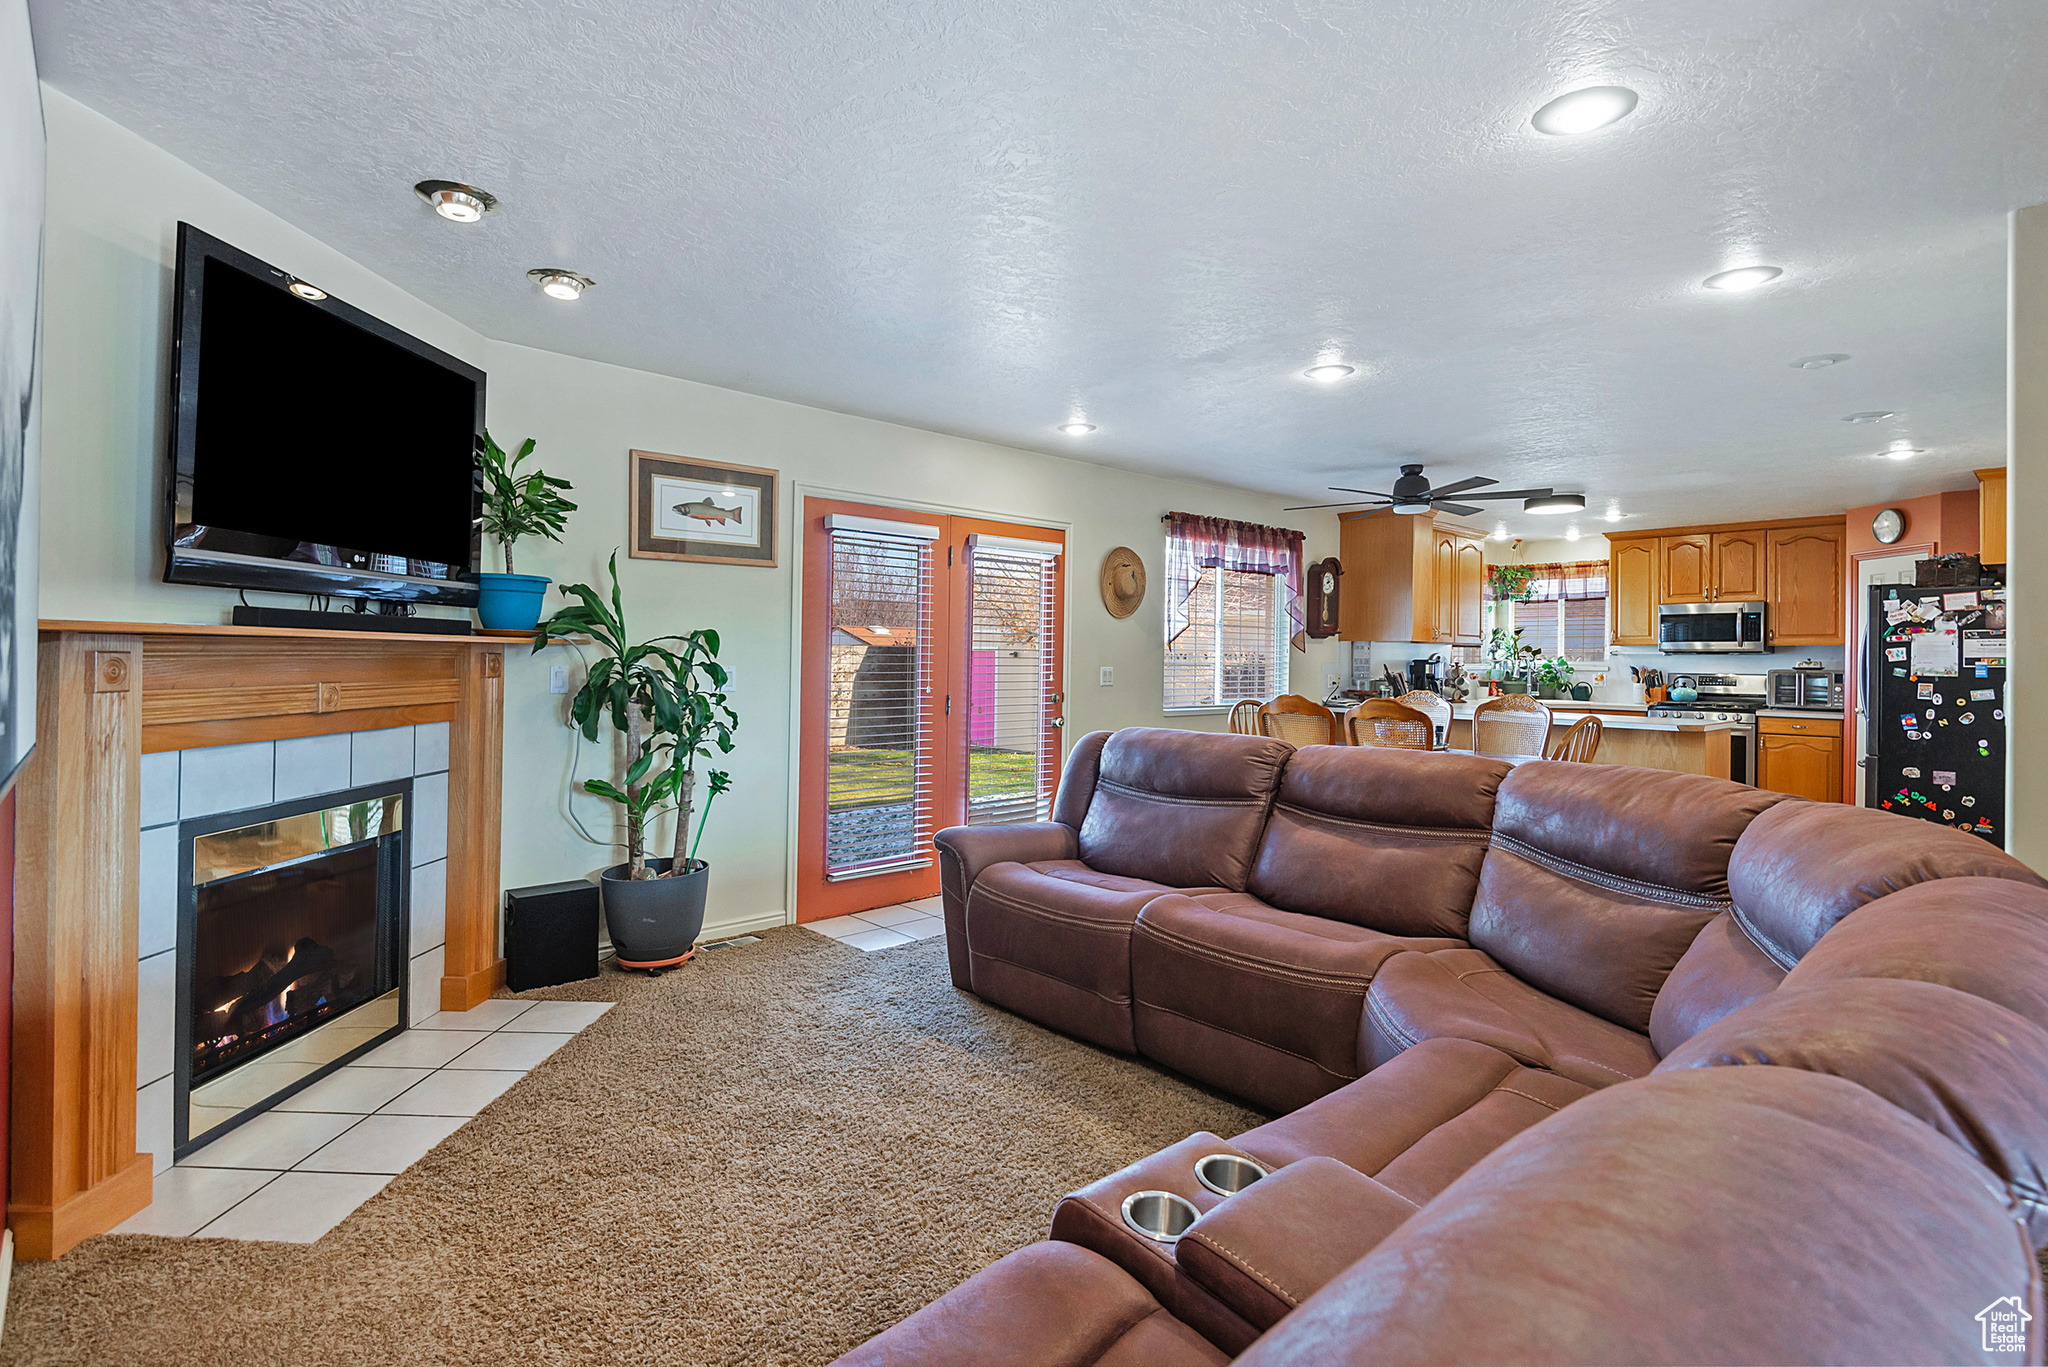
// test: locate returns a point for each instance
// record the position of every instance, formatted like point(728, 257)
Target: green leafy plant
point(1555, 673)
point(517, 505)
point(667, 697)
point(1509, 583)
point(1506, 653)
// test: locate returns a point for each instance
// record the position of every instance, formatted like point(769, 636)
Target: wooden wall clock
point(1322, 597)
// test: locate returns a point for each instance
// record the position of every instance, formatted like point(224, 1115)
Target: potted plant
point(516, 505)
point(666, 696)
point(1554, 678)
point(1509, 583)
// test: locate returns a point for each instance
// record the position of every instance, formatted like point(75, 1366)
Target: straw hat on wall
point(1123, 582)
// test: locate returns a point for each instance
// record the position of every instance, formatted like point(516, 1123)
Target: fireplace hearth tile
point(297, 1207)
point(494, 1014)
point(453, 1091)
point(182, 1200)
point(354, 1091)
point(153, 1133)
point(507, 1049)
point(156, 1017)
point(159, 788)
point(312, 764)
point(275, 1140)
point(225, 778)
point(383, 1143)
point(429, 906)
point(379, 756)
point(426, 970)
point(430, 747)
point(429, 818)
point(559, 1016)
point(156, 907)
point(420, 1049)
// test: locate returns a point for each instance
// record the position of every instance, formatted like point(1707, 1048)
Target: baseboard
point(461, 992)
point(743, 925)
point(45, 1232)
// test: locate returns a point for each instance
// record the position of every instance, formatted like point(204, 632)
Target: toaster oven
point(1818, 690)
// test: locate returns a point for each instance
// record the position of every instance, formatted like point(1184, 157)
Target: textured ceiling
point(982, 217)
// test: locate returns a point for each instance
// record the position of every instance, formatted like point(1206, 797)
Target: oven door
point(1711, 628)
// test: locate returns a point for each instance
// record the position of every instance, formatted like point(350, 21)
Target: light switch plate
point(558, 678)
point(1108, 677)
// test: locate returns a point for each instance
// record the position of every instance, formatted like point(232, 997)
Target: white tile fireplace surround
point(180, 785)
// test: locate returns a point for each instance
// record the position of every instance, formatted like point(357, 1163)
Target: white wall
point(114, 204)
point(2026, 689)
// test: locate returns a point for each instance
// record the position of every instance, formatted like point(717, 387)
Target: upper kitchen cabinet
point(1805, 577)
point(1991, 515)
point(1738, 562)
point(1688, 568)
point(1632, 590)
point(1713, 566)
point(1409, 578)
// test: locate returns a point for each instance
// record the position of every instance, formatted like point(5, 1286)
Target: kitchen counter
point(1563, 715)
point(1804, 713)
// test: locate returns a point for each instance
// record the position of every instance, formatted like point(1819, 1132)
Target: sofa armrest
point(1277, 1242)
point(964, 851)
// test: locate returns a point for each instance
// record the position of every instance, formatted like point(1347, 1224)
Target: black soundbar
point(301, 620)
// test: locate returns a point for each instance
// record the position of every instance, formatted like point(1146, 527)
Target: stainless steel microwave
point(1711, 628)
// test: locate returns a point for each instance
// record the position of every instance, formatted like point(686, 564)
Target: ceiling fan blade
point(1351, 503)
point(1460, 509)
point(1341, 489)
point(1476, 482)
point(1511, 493)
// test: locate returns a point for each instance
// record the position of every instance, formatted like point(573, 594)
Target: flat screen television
point(315, 449)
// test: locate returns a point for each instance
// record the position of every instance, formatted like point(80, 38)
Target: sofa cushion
point(1464, 994)
point(1261, 1002)
point(1390, 839)
point(964, 851)
point(1718, 1215)
point(1052, 941)
point(1984, 936)
point(1077, 779)
point(1048, 1305)
point(1600, 877)
point(1723, 971)
point(1974, 1071)
point(1182, 808)
point(1803, 866)
point(1417, 1122)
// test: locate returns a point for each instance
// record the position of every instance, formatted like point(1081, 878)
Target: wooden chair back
point(1433, 706)
point(1299, 721)
point(1389, 724)
point(1244, 718)
point(1512, 724)
point(1579, 744)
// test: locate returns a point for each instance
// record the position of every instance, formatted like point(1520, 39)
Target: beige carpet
point(763, 1158)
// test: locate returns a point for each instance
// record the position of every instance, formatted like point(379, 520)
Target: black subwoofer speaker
point(550, 935)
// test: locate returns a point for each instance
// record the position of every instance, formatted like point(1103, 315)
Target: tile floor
point(885, 927)
point(297, 1170)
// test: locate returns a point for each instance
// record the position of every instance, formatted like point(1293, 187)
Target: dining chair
point(1390, 725)
point(1579, 744)
point(1299, 721)
point(1433, 706)
point(1512, 724)
point(1244, 718)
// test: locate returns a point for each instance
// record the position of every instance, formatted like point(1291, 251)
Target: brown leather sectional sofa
point(1575, 1063)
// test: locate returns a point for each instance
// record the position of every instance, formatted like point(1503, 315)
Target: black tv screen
point(317, 449)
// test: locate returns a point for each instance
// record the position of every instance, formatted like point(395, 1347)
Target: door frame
point(1854, 736)
point(798, 491)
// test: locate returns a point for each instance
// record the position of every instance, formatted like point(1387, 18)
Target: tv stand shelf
point(265, 633)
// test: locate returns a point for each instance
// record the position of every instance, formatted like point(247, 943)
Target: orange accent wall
point(6, 984)
point(1948, 520)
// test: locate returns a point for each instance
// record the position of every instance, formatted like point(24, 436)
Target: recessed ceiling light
point(1582, 111)
point(1904, 452)
point(560, 284)
point(456, 202)
point(1500, 531)
point(1613, 512)
point(1873, 415)
point(1571, 533)
point(1820, 362)
point(306, 291)
point(1555, 503)
point(1329, 372)
point(1742, 278)
point(1076, 429)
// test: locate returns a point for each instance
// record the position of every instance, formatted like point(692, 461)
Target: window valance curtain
point(1194, 544)
point(1569, 580)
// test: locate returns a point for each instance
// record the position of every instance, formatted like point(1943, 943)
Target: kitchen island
point(1687, 747)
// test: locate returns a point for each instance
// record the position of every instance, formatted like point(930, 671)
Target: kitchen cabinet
point(1804, 585)
point(1800, 756)
point(1688, 568)
point(1738, 563)
point(1713, 567)
point(1632, 590)
point(1409, 578)
point(1991, 516)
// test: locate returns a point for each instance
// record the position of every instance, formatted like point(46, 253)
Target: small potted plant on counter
point(516, 505)
point(1554, 678)
point(667, 697)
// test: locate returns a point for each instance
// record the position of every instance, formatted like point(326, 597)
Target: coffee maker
point(1426, 675)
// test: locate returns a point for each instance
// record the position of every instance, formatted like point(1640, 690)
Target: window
point(1566, 613)
point(1220, 656)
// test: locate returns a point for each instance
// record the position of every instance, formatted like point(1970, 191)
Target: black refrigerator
point(1934, 698)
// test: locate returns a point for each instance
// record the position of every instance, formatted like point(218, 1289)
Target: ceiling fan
point(1413, 494)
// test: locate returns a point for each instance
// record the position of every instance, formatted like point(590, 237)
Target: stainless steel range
point(1723, 697)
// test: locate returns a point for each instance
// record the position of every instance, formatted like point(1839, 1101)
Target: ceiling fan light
point(1412, 508)
point(1555, 503)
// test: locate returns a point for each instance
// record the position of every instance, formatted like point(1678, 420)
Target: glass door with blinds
point(931, 693)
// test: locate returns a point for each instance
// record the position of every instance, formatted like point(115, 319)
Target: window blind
point(879, 734)
point(1229, 643)
point(1010, 684)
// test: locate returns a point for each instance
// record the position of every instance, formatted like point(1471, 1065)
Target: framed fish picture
point(714, 514)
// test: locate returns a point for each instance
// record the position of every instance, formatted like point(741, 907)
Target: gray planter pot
point(654, 922)
point(1548, 691)
point(1514, 685)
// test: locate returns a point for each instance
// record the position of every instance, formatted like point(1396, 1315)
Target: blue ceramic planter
point(511, 602)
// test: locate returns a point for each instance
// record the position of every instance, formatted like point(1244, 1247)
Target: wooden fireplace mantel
point(106, 693)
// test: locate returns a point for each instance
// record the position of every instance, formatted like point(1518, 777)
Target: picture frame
point(712, 514)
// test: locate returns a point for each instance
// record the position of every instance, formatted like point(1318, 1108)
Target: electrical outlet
point(1108, 677)
point(558, 678)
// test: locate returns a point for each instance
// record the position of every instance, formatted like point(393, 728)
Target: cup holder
point(1159, 1216)
point(1226, 1174)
